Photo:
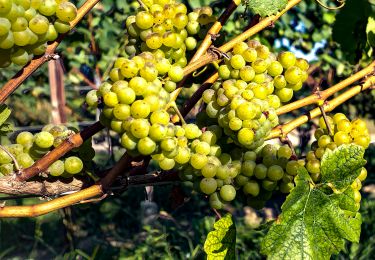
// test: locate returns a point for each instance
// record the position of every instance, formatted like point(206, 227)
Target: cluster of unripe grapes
point(27, 25)
point(167, 30)
point(251, 175)
point(30, 147)
point(253, 84)
point(343, 131)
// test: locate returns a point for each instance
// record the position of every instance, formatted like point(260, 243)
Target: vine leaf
point(5, 128)
point(339, 168)
point(220, 243)
point(312, 225)
point(266, 7)
point(370, 30)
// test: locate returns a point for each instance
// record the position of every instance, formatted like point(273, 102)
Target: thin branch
point(37, 62)
point(284, 129)
point(72, 142)
point(96, 190)
point(323, 95)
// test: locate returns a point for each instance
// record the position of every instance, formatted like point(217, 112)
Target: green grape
point(140, 109)
point(319, 152)
point(139, 85)
point(121, 111)
point(126, 95)
point(260, 171)
point(44, 140)
point(313, 166)
point(292, 168)
point(286, 187)
point(275, 69)
point(158, 132)
point(324, 140)
point(293, 75)
point(251, 188)
point(285, 94)
point(237, 62)
point(269, 185)
point(47, 7)
point(275, 173)
point(4, 157)
point(262, 51)
point(285, 152)
point(249, 156)
point(250, 55)
point(343, 125)
point(176, 73)
point(208, 185)
point(287, 59)
point(341, 138)
point(73, 165)
point(198, 161)
point(245, 136)
point(203, 148)
point(5, 6)
point(144, 20)
point(240, 47)
point(362, 140)
point(128, 141)
point(110, 99)
point(140, 128)
point(146, 146)
point(246, 111)
point(159, 117)
point(192, 131)
point(227, 192)
point(57, 168)
point(168, 144)
point(61, 27)
point(259, 66)
point(215, 201)
point(209, 170)
point(180, 20)
point(279, 82)
point(25, 139)
point(322, 123)
point(247, 73)
point(92, 98)
point(269, 150)
point(24, 160)
point(302, 64)
point(248, 167)
point(6, 169)
point(183, 156)
point(66, 12)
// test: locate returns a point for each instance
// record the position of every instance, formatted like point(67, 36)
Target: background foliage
point(174, 226)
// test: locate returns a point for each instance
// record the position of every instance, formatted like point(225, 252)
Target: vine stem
point(328, 106)
point(71, 142)
point(96, 190)
point(37, 62)
point(210, 57)
point(323, 95)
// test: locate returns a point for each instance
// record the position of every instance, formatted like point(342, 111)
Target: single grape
point(57, 168)
point(44, 139)
point(260, 171)
point(146, 146)
point(208, 185)
point(227, 192)
point(275, 173)
point(73, 165)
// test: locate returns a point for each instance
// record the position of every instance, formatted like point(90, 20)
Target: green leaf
point(311, 226)
point(266, 7)
point(220, 243)
point(370, 30)
point(339, 168)
point(4, 113)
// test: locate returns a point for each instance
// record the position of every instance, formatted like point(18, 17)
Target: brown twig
point(37, 62)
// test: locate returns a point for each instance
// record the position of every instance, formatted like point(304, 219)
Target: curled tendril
point(198, 73)
point(341, 2)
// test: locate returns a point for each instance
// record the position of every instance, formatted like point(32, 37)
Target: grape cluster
point(167, 29)
point(251, 175)
point(29, 147)
point(343, 130)
point(27, 25)
point(254, 83)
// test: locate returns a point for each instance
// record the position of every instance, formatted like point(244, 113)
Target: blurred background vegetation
point(174, 224)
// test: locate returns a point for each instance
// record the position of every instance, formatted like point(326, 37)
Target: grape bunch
point(167, 29)
point(343, 130)
point(253, 176)
point(27, 25)
point(28, 148)
point(254, 83)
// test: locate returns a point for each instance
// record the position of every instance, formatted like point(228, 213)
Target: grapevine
point(223, 154)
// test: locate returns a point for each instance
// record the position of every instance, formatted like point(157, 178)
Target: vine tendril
point(341, 2)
